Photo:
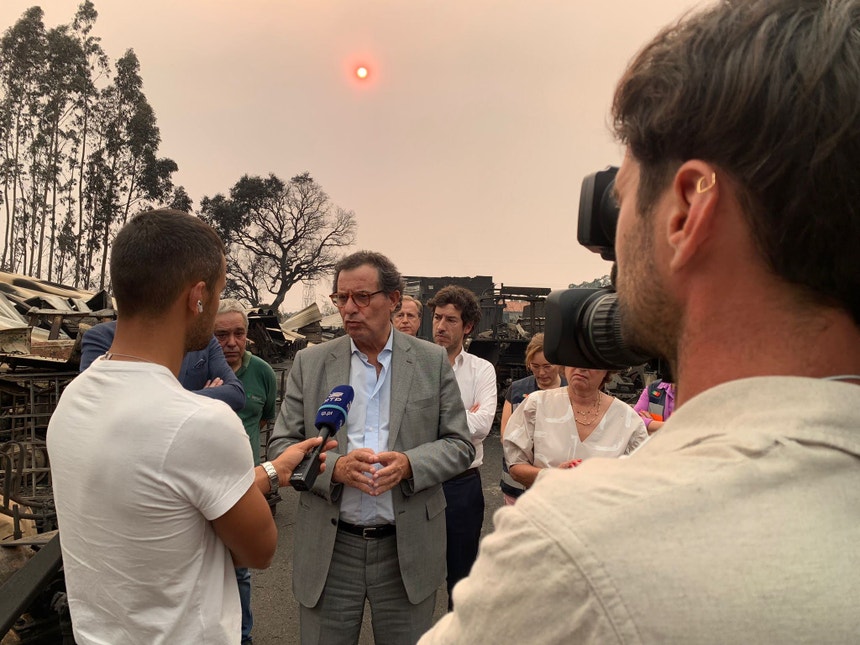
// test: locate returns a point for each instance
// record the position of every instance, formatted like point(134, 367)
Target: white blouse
point(542, 431)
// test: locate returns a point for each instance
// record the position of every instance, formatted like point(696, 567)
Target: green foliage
point(277, 234)
point(78, 149)
point(598, 283)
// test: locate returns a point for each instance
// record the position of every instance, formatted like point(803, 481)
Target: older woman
point(559, 428)
point(545, 376)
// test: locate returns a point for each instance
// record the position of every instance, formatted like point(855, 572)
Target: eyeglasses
point(360, 298)
point(546, 367)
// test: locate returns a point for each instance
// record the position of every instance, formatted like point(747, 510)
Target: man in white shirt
point(156, 492)
point(455, 314)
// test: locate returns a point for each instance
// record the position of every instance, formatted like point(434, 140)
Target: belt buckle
point(367, 532)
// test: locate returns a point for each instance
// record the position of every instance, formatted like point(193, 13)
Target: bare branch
point(278, 233)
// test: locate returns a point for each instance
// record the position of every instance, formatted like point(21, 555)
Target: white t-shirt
point(140, 466)
point(542, 432)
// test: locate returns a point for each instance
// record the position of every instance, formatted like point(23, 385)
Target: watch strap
point(274, 480)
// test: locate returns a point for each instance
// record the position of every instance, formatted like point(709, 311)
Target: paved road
point(276, 611)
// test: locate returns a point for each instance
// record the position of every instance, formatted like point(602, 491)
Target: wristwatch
point(274, 480)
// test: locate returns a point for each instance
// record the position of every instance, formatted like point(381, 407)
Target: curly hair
point(463, 299)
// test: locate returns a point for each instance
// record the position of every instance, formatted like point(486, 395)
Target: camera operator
point(737, 246)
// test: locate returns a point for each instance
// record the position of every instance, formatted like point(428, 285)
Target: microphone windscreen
point(332, 413)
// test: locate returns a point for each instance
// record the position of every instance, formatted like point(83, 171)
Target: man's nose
point(350, 305)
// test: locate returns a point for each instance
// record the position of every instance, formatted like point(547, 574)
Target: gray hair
point(231, 305)
point(408, 298)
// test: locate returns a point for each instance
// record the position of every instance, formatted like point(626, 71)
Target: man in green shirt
point(258, 379)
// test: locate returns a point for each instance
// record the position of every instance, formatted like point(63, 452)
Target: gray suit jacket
point(427, 422)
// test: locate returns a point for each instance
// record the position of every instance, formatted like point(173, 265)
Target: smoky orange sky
point(463, 151)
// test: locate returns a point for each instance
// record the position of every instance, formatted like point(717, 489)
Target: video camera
point(583, 326)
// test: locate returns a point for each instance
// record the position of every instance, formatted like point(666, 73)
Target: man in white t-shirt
point(157, 495)
point(455, 314)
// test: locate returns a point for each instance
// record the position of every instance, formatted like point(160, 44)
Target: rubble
point(41, 322)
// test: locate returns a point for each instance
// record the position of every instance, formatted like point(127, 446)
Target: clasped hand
point(370, 472)
point(573, 463)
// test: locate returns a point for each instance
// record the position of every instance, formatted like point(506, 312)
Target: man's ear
point(197, 295)
point(393, 299)
point(468, 329)
point(696, 194)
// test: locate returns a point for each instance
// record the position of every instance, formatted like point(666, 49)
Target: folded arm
point(482, 413)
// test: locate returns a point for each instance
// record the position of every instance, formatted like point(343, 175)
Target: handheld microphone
point(330, 417)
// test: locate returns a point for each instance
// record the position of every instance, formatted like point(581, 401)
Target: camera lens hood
point(583, 329)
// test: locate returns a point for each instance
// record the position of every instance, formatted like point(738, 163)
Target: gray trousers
point(365, 569)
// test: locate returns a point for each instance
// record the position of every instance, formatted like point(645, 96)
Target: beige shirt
point(542, 432)
point(739, 522)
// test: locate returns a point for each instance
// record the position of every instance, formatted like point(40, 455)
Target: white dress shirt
point(477, 380)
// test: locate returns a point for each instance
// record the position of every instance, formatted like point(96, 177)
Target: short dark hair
point(159, 253)
point(463, 299)
point(767, 91)
point(390, 279)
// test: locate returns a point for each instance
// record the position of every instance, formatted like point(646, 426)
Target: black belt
point(465, 473)
point(367, 532)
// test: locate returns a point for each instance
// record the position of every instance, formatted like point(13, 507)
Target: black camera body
point(583, 326)
point(598, 213)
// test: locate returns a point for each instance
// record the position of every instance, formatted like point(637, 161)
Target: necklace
point(589, 416)
point(110, 355)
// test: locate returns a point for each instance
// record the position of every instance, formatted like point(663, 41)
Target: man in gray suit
point(373, 525)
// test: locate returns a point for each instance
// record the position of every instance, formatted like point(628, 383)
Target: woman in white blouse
point(561, 427)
